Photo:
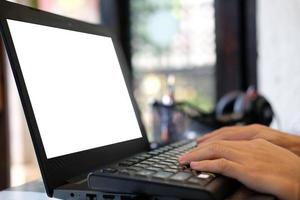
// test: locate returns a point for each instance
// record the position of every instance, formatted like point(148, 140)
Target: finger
point(203, 146)
point(217, 132)
point(219, 166)
point(231, 133)
point(208, 135)
point(204, 137)
point(236, 146)
point(221, 149)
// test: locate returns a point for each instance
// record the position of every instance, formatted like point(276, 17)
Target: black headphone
point(232, 109)
point(246, 108)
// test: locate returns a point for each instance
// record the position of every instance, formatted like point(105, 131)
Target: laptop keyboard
point(162, 164)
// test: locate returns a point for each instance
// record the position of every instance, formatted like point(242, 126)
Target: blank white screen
point(76, 87)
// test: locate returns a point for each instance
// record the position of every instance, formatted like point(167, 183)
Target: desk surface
point(35, 191)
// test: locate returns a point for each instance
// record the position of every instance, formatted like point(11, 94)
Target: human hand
point(251, 132)
point(258, 164)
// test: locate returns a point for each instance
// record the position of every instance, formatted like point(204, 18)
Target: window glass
point(79, 9)
point(173, 50)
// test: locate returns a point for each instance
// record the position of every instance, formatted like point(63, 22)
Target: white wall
point(279, 58)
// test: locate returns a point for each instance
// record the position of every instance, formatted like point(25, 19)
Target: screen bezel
point(57, 171)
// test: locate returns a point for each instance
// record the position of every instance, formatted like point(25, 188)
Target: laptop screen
point(76, 87)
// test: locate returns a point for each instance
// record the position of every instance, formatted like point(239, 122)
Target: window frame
point(4, 133)
point(236, 44)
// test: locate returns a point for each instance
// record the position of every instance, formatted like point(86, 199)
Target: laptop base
point(82, 192)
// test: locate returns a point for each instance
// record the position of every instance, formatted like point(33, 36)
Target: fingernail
point(192, 164)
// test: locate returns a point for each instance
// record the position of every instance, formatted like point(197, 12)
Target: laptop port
point(108, 196)
point(91, 197)
point(126, 198)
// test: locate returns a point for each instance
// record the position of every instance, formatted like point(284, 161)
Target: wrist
point(289, 190)
point(294, 145)
point(295, 190)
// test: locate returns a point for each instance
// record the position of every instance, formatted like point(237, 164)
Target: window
point(79, 9)
point(173, 45)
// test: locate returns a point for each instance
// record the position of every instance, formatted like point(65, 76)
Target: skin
point(254, 155)
point(251, 132)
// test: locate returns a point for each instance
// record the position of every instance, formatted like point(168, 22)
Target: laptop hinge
point(78, 179)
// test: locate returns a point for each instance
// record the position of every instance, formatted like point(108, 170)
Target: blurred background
point(201, 49)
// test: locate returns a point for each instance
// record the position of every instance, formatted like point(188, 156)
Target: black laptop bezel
point(57, 171)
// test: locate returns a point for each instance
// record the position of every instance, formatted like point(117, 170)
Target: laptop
point(84, 123)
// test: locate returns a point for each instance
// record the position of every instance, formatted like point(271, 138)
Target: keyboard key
point(147, 162)
point(125, 163)
point(171, 170)
point(175, 145)
point(203, 176)
point(162, 175)
point(168, 154)
point(180, 176)
point(173, 162)
point(174, 167)
point(198, 181)
point(160, 166)
point(144, 156)
point(206, 175)
point(141, 165)
point(135, 168)
point(154, 153)
point(140, 157)
point(124, 172)
point(153, 160)
point(145, 172)
point(165, 163)
point(148, 155)
point(109, 170)
point(164, 156)
point(153, 169)
point(173, 159)
point(168, 148)
point(159, 158)
point(133, 160)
